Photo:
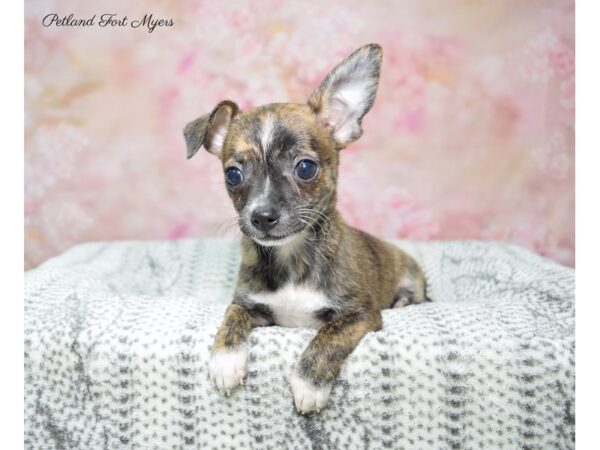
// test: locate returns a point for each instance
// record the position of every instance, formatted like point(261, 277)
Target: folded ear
point(210, 130)
point(347, 94)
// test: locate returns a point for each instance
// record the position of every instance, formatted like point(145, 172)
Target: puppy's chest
point(295, 305)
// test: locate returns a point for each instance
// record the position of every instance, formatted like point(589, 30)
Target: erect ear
point(347, 94)
point(210, 130)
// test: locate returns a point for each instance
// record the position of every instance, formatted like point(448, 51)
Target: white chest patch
point(294, 305)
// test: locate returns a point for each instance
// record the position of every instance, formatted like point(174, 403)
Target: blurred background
point(471, 135)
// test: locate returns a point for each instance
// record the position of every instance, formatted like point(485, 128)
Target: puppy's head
point(280, 161)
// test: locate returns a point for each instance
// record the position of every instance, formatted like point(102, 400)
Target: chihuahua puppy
point(302, 266)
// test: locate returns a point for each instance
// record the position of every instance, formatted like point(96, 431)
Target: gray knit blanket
point(117, 339)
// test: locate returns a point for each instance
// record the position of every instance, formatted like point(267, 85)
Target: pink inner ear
point(336, 112)
point(218, 129)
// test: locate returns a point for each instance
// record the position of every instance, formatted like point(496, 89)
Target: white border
point(587, 223)
point(11, 175)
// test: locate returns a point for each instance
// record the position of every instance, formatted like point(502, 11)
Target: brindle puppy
point(302, 266)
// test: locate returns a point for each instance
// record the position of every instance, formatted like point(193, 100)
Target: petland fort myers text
point(148, 22)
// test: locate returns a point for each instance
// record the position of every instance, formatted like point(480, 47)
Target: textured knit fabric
point(117, 339)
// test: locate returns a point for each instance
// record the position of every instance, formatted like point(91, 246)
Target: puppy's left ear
point(210, 130)
point(347, 94)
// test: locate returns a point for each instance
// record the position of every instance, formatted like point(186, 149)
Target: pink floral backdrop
point(471, 135)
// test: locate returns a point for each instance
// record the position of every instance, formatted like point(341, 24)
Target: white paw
point(228, 368)
point(308, 397)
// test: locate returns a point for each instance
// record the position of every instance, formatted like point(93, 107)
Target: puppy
point(302, 266)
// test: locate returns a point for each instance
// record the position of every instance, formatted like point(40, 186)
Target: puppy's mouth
point(271, 239)
point(276, 241)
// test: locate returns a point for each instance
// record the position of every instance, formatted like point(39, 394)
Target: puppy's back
point(386, 270)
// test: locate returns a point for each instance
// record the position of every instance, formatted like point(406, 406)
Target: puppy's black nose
point(264, 218)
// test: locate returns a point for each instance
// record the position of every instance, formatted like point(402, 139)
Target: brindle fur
point(359, 274)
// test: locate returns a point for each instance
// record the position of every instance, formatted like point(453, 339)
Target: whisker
point(314, 211)
point(324, 230)
point(317, 216)
point(308, 224)
point(228, 224)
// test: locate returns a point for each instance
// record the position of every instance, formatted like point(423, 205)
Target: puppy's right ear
point(210, 130)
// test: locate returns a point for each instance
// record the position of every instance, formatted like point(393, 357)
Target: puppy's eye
point(233, 176)
point(306, 169)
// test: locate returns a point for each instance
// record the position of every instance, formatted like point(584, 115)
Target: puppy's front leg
point(320, 363)
point(229, 352)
